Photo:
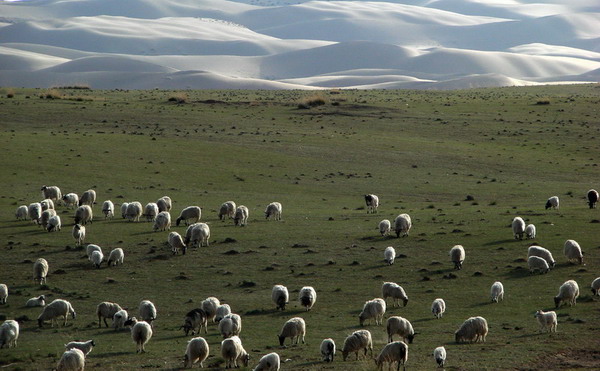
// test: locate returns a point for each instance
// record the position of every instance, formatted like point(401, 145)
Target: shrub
point(179, 98)
point(312, 101)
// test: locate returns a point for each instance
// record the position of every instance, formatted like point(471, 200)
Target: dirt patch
point(568, 359)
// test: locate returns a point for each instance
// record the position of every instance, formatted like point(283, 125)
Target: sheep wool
point(294, 328)
point(536, 263)
point(3, 293)
point(40, 301)
point(189, 215)
point(568, 292)
point(116, 257)
point(106, 310)
point(397, 325)
point(385, 226)
point(58, 308)
point(328, 349)
point(78, 234)
point(108, 209)
point(176, 243)
point(518, 227)
point(84, 215)
point(592, 197)
point(147, 311)
point(395, 352)
point(119, 319)
point(97, 258)
point(209, 306)
point(141, 333)
point(547, 320)
point(389, 255)
point(373, 309)
point(472, 330)
point(124, 206)
point(596, 286)
point(307, 297)
point(457, 255)
point(162, 222)
point(22, 212)
point(40, 270)
point(88, 198)
point(543, 253)
point(71, 360)
point(372, 202)
point(85, 346)
point(402, 225)
point(196, 351)
point(439, 355)
point(71, 200)
point(164, 203)
point(54, 224)
point(241, 216)
point(530, 231)
point(134, 211)
point(151, 211)
point(51, 192)
point(233, 352)
point(227, 209)
point(553, 203)
point(9, 334)
point(222, 311)
point(572, 251)
point(280, 296)
point(357, 341)
point(438, 307)
point(230, 325)
point(274, 210)
point(268, 362)
point(497, 292)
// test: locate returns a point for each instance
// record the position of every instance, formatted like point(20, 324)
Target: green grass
point(421, 152)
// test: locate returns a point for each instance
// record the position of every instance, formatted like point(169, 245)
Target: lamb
point(402, 225)
point(372, 202)
point(536, 263)
point(209, 306)
point(196, 351)
point(9, 333)
point(389, 255)
point(3, 293)
point(200, 235)
point(328, 349)
point(89, 249)
point(88, 198)
point(230, 325)
point(176, 242)
point(40, 270)
point(147, 311)
point(227, 209)
point(592, 197)
point(97, 258)
point(47, 204)
point(542, 253)
point(71, 200)
point(307, 297)
point(141, 333)
point(568, 292)
point(385, 226)
point(85, 346)
point(457, 255)
point(497, 291)
point(274, 209)
point(105, 310)
point(84, 214)
point(196, 318)
point(547, 320)
point(438, 307)
point(116, 256)
point(552, 202)
point(164, 203)
point(280, 296)
point(439, 354)
point(596, 286)
point(189, 215)
point(573, 252)
point(134, 211)
point(54, 224)
point(71, 360)
point(162, 222)
point(22, 212)
point(241, 216)
point(58, 308)
point(268, 362)
point(530, 232)
point(78, 234)
point(356, 342)
point(151, 211)
point(395, 291)
point(34, 212)
point(472, 330)
point(108, 209)
point(222, 311)
point(45, 217)
point(119, 319)
point(124, 206)
point(51, 192)
point(391, 353)
point(518, 227)
point(294, 328)
point(397, 325)
point(373, 309)
point(232, 351)
point(39, 301)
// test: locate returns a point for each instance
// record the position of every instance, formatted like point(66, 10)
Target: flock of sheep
point(473, 329)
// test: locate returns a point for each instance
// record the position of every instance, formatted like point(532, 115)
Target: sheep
point(402, 225)
point(176, 242)
point(34, 212)
point(547, 320)
point(105, 310)
point(530, 232)
point(210, 305)
point(518, 227)
point(189, 215)
point(222, 311)
point(568, 292)
point(241, 216)
point(119, 319)
point(373, 309)
point(78, 234)
point(372, 202)
point(196, 351)
point(108, 209)
point(85, 346)
point(141, 333)
point(162, 222)
point(592, 197)
point(385, 226)
point(307, 297)
point(71, 200)
point(97, 258)
point(472, 330)
point(54, 224)
point(357, 341)
point(397, 325)
point(88, 198)
point(45, 217)
point(200, 235)
point(572, 251)
point(39, 301)
point(9, 333)
point(71, 360)
point(438, 307)
point(552, 202)
point(51, 192)
point(22, 212)
point(164, 203)
point(280, 296)
point(134, 211)
point(116, 256)
point(124, 206)
point(40, 270)
point(47, 204)
point(188, 233)
point(151, 211)
point(196, 318)
point(274, 209)
point(268, 362)
point(58, 308)
point(439, 355)
point(389, 255)
point(89, 249)
point(543, 253)
point(457, 255)
point(497, 291)
point(328, 349)
point(3, 293)
point(294, 328)
point(227, 209)
point(391, 353)
point(596, 286)
point(147, 311)
point(395, 291)
point(230, 325)
point(536, 263)
point(232, 351)
point(84, 214)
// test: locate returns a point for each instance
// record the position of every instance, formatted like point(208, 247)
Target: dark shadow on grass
point(111, 354)
point(484, 304)
point(500, 242)
point(424, 320)
point(519, 273)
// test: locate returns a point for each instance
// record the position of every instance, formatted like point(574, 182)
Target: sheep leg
point(105, 323)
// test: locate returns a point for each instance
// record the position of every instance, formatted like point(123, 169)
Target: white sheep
point(97, 258)
point(552, 202)
point(373, 309)
point(394, 291)
point(84, 215)
point(372, 202)
point(189, 215)
point(116, 256)
point(438, 307)
point(280, 296)
point(592, 197)
point(90, 248)
point(176, 243)
point(385, 227)
point(268, 362)
point(22, 212)
point(9, 333)
point(568, 292)
point(307, 297)
point(233, 352)
point(58, 308)
point(227, 209)
point(439, 355)
point(164, 203)
point(389, 255)
point(222, 311)
point(147, 311)
point(274, 209)
point(119, 319)
point(151, 211)
point(39, 301)
point(188, 233)
point(51, 192)
point(402, 225)
point(457, 255)
point(85, 346)
point(195, 319)
point(547, 320)
point(141, 333)
point(88, 198)
point(71, 200)
point(108, 209)
point(542, 253)
point(396, 352)
point(241, 216)
point(47, 204)
point(536, 263)
point(397, 325)
point(472, 330)
point(78, 234)
point(124, 206)
point(518, 227)
point(209, 306)
point(162, 222)
point(3, 293)
point(356, 342)
point(40, 270)
point(105, 310)
point(134, 211)
point(294, 328)
point(71, 360)
point(497, 291)
point(200, 235)
point(34, 212)
point(230, 325)
point(328, 349)
point(530, 231)
point(573, 252)
point(196, 351)
point(45, 218)
point(54, 224)
point(596, 286)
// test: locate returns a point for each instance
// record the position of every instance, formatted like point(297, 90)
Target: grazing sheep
point(196, 351)
point(573, 252)
point(274, 209)
point(108, 209)
point(164, 203)
point(232, 351)
point(472, 330)
point(34, 212)
point(438, 307)
point(141, 333)
point(51, 192)
point(47, 204)
point(268, 362)
point(45, 217)
point(189, 215)
point(71, 360)
point(176, 242)
point(389, 255)
point(294, 328)
point(497, 291)
point(530, 232)
point(9, 333)
point(151, 211)
point(307, 297)
point(40, 270)
point(105, 310)
point(124, 206)
point(71, 200)
point(568, 292)
point(200, 235)
point(518, 227)
point(439, 355)
point(396, 352)
point(372, 202)
point(356, 342)
point(596, 286)
point(402, 225)
point(89, 249)
point(116, 256)
point(230, 325)
point(547, 320)
point(227, 209)
point(40, 301)
point(241, 216)
point(395, 291)
point(22, 212)
point(209, 306)
point(457, 255)
point(88, 198)
point(97, 258)
point(592, 197)
point(542, 253)
point(85, 346)
point(54, 224)
point(147, 311)
point(373, 309)
point(280, 296)
point(3, 293)
point(222, 311)
point(119, 319)
point(328, 349)
point(552, 202)
point(78, 234)
point(397, 325)
point(195, 319)
point(536, 263)
point(58, 308)
point(162, 222)
point(84, 214)
point(188, 233)
point(385, 227)
point(134, 211)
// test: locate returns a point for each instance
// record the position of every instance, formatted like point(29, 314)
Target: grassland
point(423, 153)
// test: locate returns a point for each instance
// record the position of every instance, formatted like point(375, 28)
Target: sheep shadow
point(501, 242)
point(110, 354)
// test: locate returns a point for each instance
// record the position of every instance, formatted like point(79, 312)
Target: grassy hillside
point(463, 164)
